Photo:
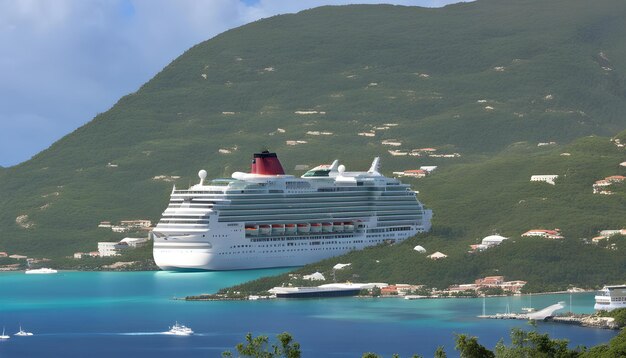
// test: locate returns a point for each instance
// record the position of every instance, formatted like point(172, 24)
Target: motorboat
point(179, 330)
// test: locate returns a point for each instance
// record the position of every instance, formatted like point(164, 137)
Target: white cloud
point(63, 61)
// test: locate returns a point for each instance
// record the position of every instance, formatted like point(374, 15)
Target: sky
point(64, 61)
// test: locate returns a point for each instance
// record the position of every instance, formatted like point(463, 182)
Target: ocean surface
point(123, 314)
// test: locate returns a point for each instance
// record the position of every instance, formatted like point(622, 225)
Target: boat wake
point(118, 334)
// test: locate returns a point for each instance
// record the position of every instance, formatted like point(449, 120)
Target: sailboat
point(4, 336)
point(530, 308)
point(23, 333)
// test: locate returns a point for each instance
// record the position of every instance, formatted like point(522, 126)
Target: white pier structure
point(536, 315)
point(546, 312)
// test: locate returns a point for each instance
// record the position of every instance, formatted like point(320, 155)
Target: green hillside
point(471, 201)
point(473, 78)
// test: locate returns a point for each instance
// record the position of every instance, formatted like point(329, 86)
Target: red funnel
point(266, 163)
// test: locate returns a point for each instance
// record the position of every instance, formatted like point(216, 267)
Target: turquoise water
point(104, 314)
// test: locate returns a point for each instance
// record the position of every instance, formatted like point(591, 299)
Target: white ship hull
point(611, 298)
point(263, 221)
point(247, 254)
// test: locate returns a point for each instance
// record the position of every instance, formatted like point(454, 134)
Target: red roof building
point(389, 290)
point(548, 234)
point(489, 281)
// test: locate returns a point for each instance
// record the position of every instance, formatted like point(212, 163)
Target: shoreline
point(254, 297)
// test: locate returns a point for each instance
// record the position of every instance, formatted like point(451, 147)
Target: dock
point(537, 315)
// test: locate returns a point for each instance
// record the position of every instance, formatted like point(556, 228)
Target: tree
point(257, 347)
point(534, 344)
point(470, 348)
point(370, 355)
point(615, 348)
point(440, 353)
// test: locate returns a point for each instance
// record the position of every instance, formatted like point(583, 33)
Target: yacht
point(328, 290)
point(266, 218)
point(23, 333)
point(179, 330)
point(4, 336)
point(610, 298)
point(41, 271)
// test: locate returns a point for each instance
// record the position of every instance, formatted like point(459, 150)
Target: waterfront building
point(489, 281)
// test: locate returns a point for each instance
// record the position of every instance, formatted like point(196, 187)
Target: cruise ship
point(266, 218)
point(610, 298)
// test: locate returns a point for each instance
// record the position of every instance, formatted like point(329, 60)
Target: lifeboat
point(290, 229)
point(278, 229)
point(252, 230)
point(316, 227)
point(348, 226)
point(304, 228)
point(338, 226)
point(265, 229)
point(327, 227)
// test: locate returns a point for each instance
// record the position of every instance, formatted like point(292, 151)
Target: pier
point(540, 315)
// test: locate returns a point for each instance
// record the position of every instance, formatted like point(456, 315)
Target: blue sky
point(64, 61)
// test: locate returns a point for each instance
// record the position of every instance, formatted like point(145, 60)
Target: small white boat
point(41, 271)
point(23, 333)
point(4, 336)
point(179, 330)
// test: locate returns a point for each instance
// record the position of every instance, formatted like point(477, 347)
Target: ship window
point(316, 173)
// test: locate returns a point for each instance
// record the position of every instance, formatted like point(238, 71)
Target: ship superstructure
point(610, 298)
point(266, 218)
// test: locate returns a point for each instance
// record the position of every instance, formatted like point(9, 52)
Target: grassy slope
point(325, 59)
point(474, 200)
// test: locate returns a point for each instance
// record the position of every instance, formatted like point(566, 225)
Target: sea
point(124, 314)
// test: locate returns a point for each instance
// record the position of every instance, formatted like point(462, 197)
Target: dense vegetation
point(524, 343)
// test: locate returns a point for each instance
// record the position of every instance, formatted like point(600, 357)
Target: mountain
point(473, 78)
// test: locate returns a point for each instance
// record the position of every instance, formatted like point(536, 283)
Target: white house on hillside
point(437, 255)
point(545, 178)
